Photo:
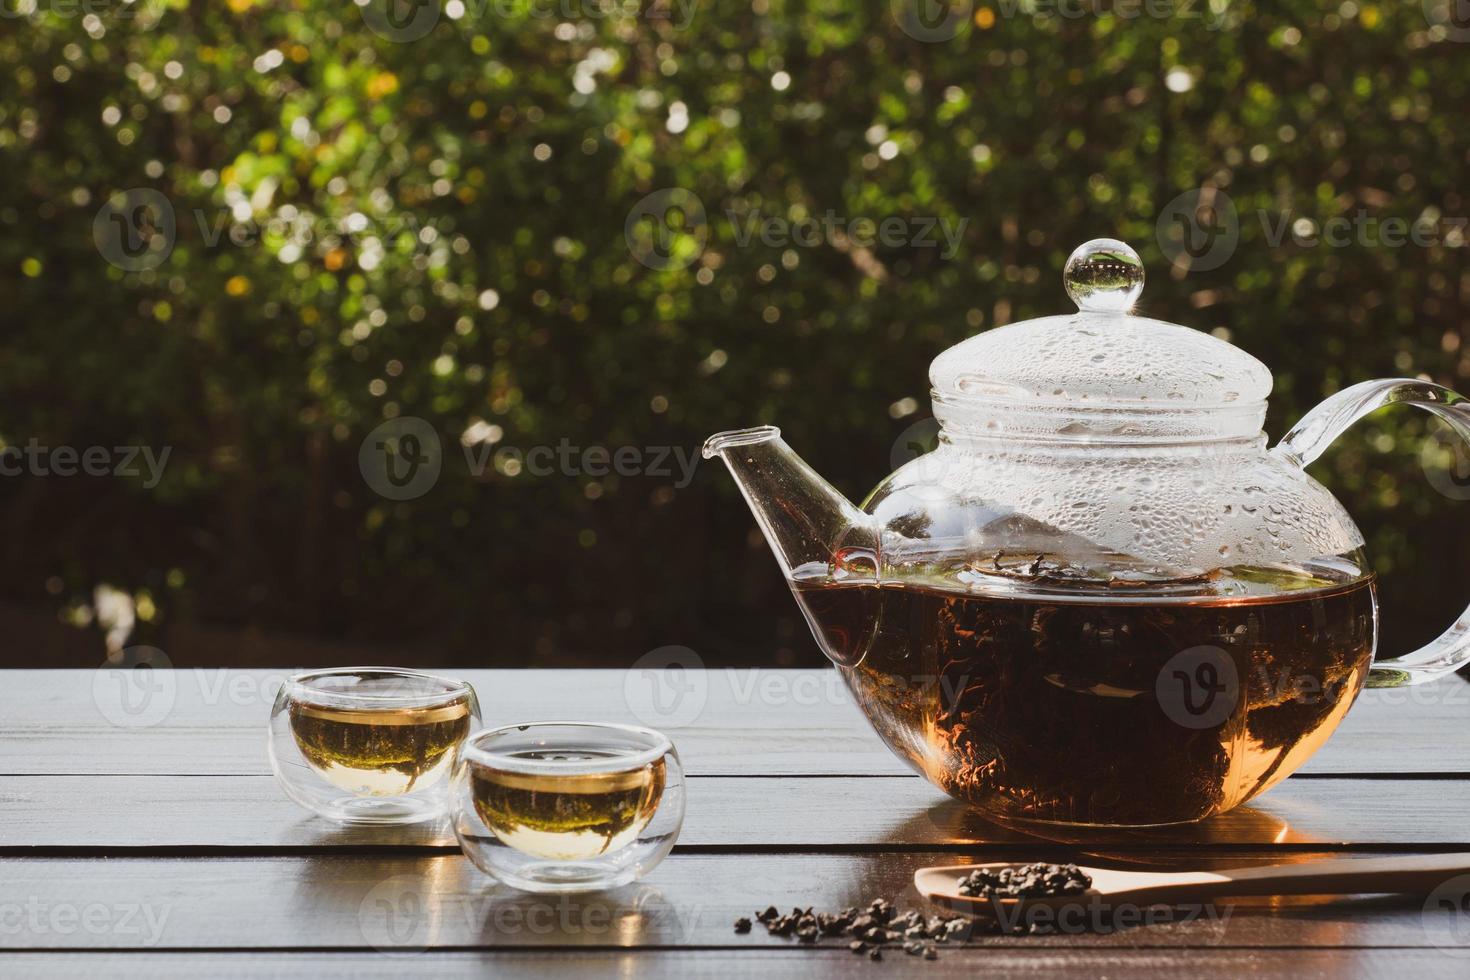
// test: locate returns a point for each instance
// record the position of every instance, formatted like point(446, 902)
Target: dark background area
point(468, 262)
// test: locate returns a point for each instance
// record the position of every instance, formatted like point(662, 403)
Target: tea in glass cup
point(370, 744)
point(567, 806)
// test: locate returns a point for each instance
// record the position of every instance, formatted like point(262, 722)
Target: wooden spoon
point(1417, 874)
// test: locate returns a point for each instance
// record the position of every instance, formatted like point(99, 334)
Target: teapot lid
point(1101, 374)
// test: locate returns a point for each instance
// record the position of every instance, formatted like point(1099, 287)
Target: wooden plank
point(250, 812)
point(1205, 964)
point(402, 905)
point(725, 721)
point(213, 722)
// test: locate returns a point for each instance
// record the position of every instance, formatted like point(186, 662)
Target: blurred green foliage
point(465, 196)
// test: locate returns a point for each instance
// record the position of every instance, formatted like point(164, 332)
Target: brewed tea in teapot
point(1041, 707)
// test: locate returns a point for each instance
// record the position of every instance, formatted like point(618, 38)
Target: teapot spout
point(816, 533)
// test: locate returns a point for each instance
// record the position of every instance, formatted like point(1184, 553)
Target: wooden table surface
point(141, 834)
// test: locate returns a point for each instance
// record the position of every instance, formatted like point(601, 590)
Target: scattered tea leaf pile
point(1025, 881)
point(880, 926)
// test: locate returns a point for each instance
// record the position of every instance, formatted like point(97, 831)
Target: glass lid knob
point(1104, 276)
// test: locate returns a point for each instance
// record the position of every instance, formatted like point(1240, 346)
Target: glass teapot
point(1101, 599)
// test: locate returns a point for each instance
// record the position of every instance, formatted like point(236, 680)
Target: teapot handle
point(1318, 428)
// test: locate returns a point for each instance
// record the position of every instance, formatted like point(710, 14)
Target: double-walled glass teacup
point(568, 806)
point(370, 745)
